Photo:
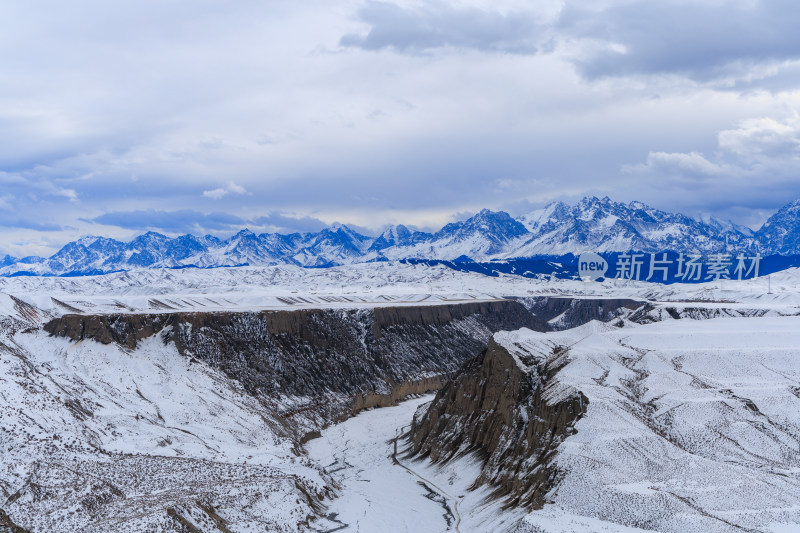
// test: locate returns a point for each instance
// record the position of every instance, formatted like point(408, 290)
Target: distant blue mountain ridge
point(598, 224)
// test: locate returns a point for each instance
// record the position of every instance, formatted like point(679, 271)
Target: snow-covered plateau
point(687, 417)
point(353, 286)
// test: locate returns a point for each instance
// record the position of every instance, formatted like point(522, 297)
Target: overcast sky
point(207, 116)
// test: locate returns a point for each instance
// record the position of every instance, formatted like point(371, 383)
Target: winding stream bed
point(381, 491)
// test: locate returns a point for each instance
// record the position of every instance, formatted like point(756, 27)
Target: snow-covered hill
point(782, 231)
point(598, 224)
point(682, 426)
point(98, 437)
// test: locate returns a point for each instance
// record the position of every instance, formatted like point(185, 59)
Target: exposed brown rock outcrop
point(340, 360)
point(8, 526)
point(496, 409)
point(398, 392)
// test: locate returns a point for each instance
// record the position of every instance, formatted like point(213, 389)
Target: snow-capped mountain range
point(598, 224)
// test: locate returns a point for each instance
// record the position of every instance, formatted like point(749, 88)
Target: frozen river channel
point(380, 492)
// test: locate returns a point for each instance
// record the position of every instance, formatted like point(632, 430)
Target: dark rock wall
point(363, 355)
point(574, 312)
point(496, 410)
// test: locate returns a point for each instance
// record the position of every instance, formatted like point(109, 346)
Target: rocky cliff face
point(508, 407)
point(649, 313)
point(559, 313)
point(325, 363)
point(329, 364)
point(497, 407)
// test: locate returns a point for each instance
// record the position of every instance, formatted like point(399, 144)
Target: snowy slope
point(781, 233)
point(691, 425)
point(147, 436)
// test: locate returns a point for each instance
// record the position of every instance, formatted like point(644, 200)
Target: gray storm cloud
point(204, 117)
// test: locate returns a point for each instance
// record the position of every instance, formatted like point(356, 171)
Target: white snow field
point(381, 490)
point(361, 285)
point(692, 426)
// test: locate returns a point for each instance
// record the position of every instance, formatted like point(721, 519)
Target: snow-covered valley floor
point(692, 426)
point(384, 491)
point(377, 493)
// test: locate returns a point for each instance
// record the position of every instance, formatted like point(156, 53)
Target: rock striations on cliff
point(507, 406)
point(322, 363)
point(675, 426)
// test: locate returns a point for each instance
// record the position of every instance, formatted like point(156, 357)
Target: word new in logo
point(591, 266)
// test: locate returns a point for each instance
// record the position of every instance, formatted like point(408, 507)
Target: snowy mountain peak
point(781, 232)
point(498, 224)
point(246, 233)
point(398, 236)
point(605, 225)
point(343, 232)
point(486, 233)
point(638, 205)
point(594, 223)
point(397, 232)
point(394, 235)
point(590, 201)
point(724, 225)
point(534, 220)
point(88, 240)
point(148, 240)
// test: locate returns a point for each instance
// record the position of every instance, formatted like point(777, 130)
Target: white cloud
point(753, 147)
point(753, 166)
point(70, 194)
point(763, 138)
point(716, 42)
point(221, 192)
point(680, 163)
